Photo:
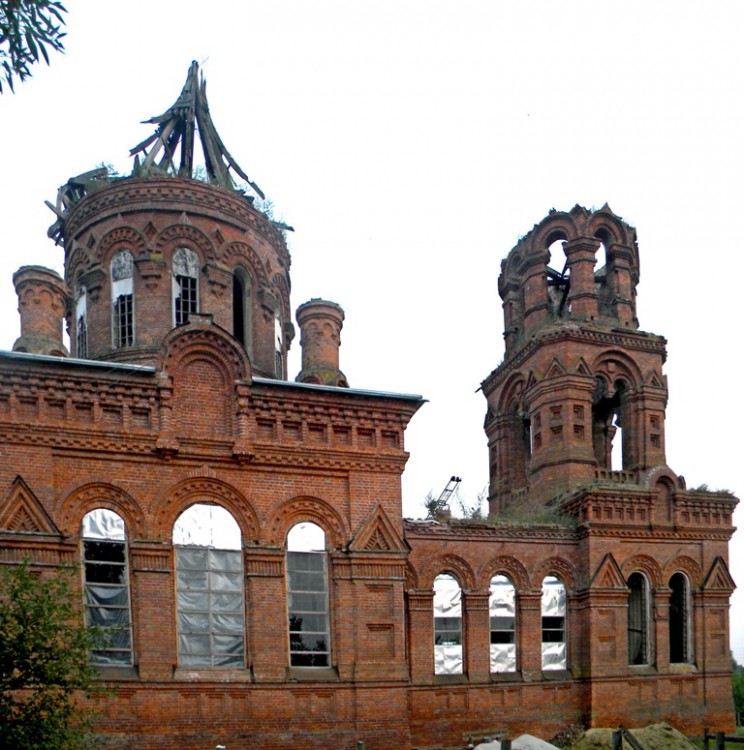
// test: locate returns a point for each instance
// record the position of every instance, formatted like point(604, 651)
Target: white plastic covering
point(185, 263)
point(204, 525)
point(447, 625)
point(122, 266)
point(306, 537)
point(502, 613)
point(103, 523)
point(554, 624)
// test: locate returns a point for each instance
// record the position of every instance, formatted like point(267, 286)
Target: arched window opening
point(447, 625)
point(242, 325)
point(553, 610)
point(501, 607)
point(122, 299)
point(607, 425)
point(307, 597)
point(638, 619)
point(106, 584)
point(185, 285)
point(680, 621)
point(600, 265)
point(209, 588)
point(558, 276)
point(278, 347)
point(81, 322)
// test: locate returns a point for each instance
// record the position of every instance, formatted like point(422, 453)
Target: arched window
point(607, 425)
point(242, 322)
point(553, 609)
point(307, 597)
point(81, 322)
point(185, 285)
point(106, 583)
point(638, 619)
point(447, 625)
point(680, 620)
point(501, 607)
point(209, 588)
point(122, 299)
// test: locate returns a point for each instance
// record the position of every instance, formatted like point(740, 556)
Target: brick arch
point(313, 509)
point(78, 262)
point(646, 565)
point(628, 369)
point(206, 490)
point(184, 343)
point(239, 253)
point(555, 226)
point(188, 235)
point(452, 564)
point(686, 565)
point(611, 229)
point(513, 390)
point(100, 494)
point(134, 241)
point(555, 566)
point(504, 565)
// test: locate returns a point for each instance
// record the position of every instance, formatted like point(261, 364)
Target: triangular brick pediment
point(378, 534)
point(608, 575)
point(23, 512)
point(582, 368)
point(556, 370)
point(655, 380)
point(719, 578)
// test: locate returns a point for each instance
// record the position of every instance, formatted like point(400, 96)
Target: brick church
point(240, 535)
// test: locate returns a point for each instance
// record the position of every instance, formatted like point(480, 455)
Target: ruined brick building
point(241, 536)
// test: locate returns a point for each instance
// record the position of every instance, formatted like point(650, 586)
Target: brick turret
point(42, 300)
point(320, 324)
point(577, 369)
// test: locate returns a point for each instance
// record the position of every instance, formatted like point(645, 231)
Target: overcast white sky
point(410, 144)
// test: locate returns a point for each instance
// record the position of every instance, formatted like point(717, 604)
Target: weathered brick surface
point(199, 424)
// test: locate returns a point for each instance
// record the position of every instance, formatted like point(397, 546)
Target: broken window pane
point(503, 650)
point(447, 625)
point(106, 584)
point(209, 588)
point(553, 607)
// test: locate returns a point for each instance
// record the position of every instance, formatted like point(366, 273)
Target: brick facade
point(199, 413)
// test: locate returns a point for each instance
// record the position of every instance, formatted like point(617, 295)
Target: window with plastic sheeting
point(307, 597)
point(553, 610)
point(680, 623)
point(106, 585)
point(185, 285)
point(447, 625)
point(638, 619)
point(81, 322)
point(209, 588)
point(501, 607)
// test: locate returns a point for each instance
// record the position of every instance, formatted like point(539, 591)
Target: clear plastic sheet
point(204, 525)
point(447, 625)
point(502, 613)
point(103, 523)
point(554, 624)
point(306, 537)
point(185, 263)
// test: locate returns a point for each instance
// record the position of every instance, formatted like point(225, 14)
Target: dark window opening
point(679, 620)
point(238, 309)
point(607, 424)
point(82, 338)
point(637, 619)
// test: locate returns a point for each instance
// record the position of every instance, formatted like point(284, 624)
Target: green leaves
point(44, 665)
point(27, 29)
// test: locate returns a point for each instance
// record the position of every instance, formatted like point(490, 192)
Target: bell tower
point(144, 253)
point(580, 396)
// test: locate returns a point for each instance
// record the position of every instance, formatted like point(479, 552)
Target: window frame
point(509, 641)
point(446, 649)
point(553, 626)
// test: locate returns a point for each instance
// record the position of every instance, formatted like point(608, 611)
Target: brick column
point(421, 635)
point(581, 254)
point(661, 627)
point(477, 635)
point(529, 635)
